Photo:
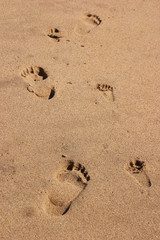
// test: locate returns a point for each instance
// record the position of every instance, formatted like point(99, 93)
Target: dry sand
point(80, 120)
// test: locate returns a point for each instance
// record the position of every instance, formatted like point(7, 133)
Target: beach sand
point(80, 120)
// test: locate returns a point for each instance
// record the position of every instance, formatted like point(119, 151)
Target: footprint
point(42, 91)
point(34, 76)
point(87, 23)
point(137, 169)
point(55, 34)
point(104, 88)
point(66, 186)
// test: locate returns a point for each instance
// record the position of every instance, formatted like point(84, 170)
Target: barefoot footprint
point(54, 33)
point(66, 186)
point(87, 23)
point(34, 76)
point(137, 169)
point(105, 88)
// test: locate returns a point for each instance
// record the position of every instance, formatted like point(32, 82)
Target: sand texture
point(80, 120)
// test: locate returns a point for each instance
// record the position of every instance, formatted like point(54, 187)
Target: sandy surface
point(68, 143)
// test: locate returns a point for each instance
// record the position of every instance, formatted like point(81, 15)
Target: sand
point(80, 120)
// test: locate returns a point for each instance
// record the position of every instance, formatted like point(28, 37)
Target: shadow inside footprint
point(66, 210)
point(42, 73)
point(51, 94)
point(69, 182)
